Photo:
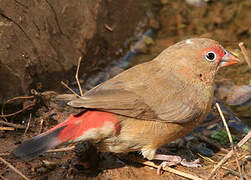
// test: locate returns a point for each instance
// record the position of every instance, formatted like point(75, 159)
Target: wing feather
point(143, 96)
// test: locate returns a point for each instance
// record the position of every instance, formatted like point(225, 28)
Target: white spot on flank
point(189, 41)
point(95, 134)
point(83, 97)
point(148, 153)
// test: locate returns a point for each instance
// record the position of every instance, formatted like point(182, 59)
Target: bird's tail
point(91, 125)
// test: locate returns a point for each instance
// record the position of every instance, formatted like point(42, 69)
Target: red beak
point(228, 59)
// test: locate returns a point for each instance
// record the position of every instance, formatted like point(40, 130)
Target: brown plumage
point(146, 106)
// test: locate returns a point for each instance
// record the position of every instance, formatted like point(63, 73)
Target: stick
point(61, 149)
point(242, 157)
point(230, 171)
point(41, 126)
point(230, 139)
point(28, 125)
point(17, 112)
point(13, 168)
point(225, 124)
point(17, 126)
point(229, 111)
point(76, 76)
point(206, 158)
point(108, 27)
point(69, 88)
point(19, 97)
point(245, 54)
point(7, 129)
point(229, 155)
point(171, 170)
point(9, 100)
point(223, 167)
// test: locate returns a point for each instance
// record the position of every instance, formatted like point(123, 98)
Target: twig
point(229, 155)
point(41, 125)
point(19, 97)
point(9, 100)
point(235, 173)
point(240, 158)
point(17, 126)
point(61, 149)
point(229, 111)
point(171, 170)
point(108, 27)
point(13, 168)
point(7, 129)
point(223, 167)
point(245, 54)
point(76, 76)
point(69, 88)
point(225, 124)
point(206, 158)
point(230, 139)
point(28, 125)
point(17, 112)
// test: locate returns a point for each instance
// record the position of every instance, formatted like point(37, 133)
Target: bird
point(144, 107)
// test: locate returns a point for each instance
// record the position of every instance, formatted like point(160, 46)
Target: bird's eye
point(211, 56)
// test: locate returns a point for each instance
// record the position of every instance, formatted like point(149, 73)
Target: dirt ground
point(228, 21)
point(43, 40)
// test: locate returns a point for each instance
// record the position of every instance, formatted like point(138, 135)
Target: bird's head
point(197, 59)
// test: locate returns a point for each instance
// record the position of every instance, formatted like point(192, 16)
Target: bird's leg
point(170, 160)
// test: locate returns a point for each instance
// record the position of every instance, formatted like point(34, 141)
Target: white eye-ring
point(211, 56)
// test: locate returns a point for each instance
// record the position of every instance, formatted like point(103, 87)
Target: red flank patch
point(76, 126)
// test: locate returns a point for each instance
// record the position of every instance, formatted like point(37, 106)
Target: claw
point(169, 160)
point(164, 164)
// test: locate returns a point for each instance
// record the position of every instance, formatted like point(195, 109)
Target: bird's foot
point(195, 163)
point(169, 160)
point(163, 165)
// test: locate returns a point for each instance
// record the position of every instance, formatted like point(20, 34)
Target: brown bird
point(144, 107)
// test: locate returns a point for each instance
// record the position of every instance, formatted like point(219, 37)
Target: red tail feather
point(90, 125)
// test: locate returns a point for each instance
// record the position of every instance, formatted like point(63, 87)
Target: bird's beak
point(228, 59)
